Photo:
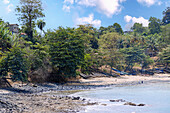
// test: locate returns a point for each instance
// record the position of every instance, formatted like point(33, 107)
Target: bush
point(66, 51)
point(15, 64)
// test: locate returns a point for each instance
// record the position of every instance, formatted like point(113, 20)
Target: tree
point(37, 56)
point(154, 25)
point(133, 55)
point(152, 44)
point(166, 18)
point(15, 64)
point(29, 11)
point(102, 30)
point(137, 27)
point(164, 40)
point(118, 28)
point(164, 57)
point(66, 51)
point(90, 35)
point(41, 24)
point(5, 35)
point(109, 48)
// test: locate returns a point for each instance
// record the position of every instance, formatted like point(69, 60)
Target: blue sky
point(70, 13)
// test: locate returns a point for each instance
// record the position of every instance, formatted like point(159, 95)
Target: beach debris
point(130, 103)
point(92, 103)
point(118, 100)
point(104, 104)
point(133, 104)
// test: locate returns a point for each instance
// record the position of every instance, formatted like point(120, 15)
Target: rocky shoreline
point(51, 98)
point(37, 98)
point(34, 103)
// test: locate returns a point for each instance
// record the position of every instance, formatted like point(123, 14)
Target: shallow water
point(156, 96)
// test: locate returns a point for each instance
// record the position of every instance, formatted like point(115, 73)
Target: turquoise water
point(156, 96)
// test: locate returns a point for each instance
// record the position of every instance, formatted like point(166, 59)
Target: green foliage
point(90, 35)
point(154, 25)
point(164, 40)
point(66, 51)
point(146, 62)
point(166, 18)
point(109, 48)
point(138, 28)
point(133, 55)
point(118, 28)
point(37, 56)
point(28, 12)
point(152, 44)
point(164, 56)
point(14, 64)
point(4, 37)
point(85, 49)
point(41, 24)
point(87, 64)
point(112, 28)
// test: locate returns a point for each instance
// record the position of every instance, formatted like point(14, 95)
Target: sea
point(155, 96)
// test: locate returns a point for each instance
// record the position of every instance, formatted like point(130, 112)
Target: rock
point(119, 100)
point(76, 98)
point(34, 85)
point(104, 104)
point(141, 104)
point(92, 103)
point(130, 103)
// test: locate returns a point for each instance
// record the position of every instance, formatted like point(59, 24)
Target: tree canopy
point(28, 12)
point(154, 25)
point(166, 18)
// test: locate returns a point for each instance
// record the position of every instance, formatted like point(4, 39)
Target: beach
point(49, 97)
point(126, 79)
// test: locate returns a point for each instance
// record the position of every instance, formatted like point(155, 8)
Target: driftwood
point(167, 70)
point(4, 82)
point(93, 75)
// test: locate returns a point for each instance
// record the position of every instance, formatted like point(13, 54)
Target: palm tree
point(4, 36)
point(41, 24)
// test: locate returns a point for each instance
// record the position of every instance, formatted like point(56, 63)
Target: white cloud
point(127, 18)
point(66, 8)
point(87, 2)
point(6, 1)
point(69, 1)
point(149, 2)
point(88, 20)
point(8, 8)
point(131, 20)
point(122, 1)
point(107, 7)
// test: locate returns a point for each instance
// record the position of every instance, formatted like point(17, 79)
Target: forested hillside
point(63, 53)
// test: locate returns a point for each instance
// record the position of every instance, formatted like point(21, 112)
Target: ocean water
point(156, 96)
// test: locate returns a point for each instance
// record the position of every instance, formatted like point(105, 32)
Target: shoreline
point(85, 84)
point(54, 97)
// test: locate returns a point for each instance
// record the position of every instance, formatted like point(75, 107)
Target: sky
point(70, 13)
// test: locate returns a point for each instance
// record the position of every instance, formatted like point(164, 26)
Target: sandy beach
point(55, 97)
point(127, 79)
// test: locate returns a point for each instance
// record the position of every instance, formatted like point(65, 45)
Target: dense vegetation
point(66, 52)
